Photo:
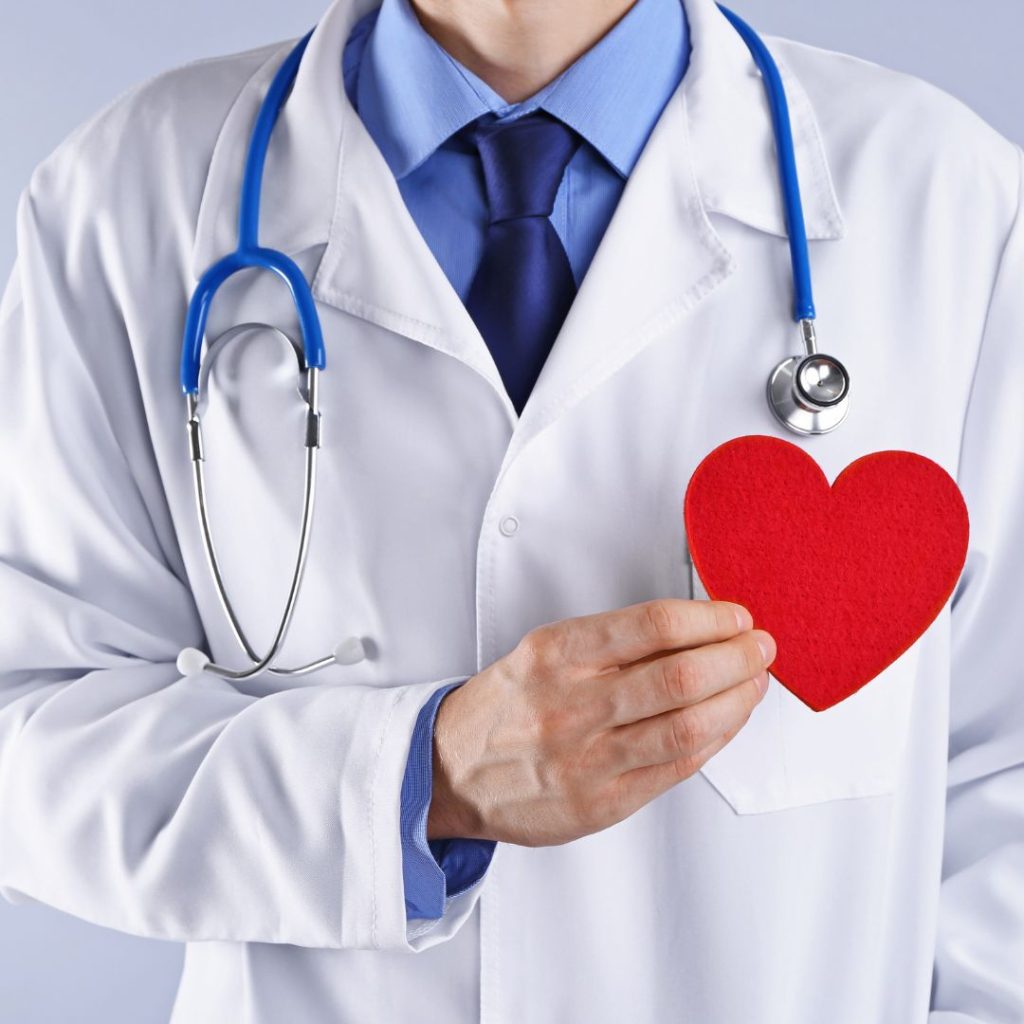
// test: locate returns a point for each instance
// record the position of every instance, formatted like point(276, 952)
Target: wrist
point(449, 815)
point(441, 822)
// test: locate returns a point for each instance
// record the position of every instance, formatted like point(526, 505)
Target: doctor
point(548, 786)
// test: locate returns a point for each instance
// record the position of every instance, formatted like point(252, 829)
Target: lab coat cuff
point(381, 922)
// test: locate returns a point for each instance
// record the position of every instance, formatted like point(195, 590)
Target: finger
point(683, 732)
point(610, 639)
point(680, 678)
point(639, 786)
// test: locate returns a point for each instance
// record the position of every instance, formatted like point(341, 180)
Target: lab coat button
point(508, 525)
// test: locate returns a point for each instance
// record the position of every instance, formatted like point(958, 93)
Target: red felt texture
point(846, 577)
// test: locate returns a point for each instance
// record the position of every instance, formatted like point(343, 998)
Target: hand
point(590, 718)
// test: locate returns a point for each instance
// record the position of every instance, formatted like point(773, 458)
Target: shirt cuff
point(434, 870)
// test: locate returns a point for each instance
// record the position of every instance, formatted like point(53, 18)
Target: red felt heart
point(846, 577)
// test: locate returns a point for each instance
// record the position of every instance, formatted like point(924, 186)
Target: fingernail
point(762, 683)
point(743, 619)
point(767, 645)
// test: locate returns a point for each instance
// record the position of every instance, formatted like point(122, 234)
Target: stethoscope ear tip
point(192, 661)
point(350, 651)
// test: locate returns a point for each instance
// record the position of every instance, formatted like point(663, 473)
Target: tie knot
point(523, 162)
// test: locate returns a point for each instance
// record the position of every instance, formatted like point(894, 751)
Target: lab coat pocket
point(787, 755)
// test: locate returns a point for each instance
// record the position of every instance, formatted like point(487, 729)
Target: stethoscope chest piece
point(809, 393)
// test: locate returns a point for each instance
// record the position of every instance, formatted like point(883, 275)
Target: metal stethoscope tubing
point(192, 660)
point(250, 254)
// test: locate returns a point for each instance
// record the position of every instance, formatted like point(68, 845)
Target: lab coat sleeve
point(162, 806)
point(979, 960)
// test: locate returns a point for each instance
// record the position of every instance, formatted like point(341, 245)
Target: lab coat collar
point(732, 138)
point(328, 184)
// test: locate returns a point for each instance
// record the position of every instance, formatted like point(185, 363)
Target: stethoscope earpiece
point(191, 661)
point(350, 651)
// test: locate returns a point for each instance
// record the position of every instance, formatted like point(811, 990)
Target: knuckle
point(660, 622)
point(686, 766)
point(540, 648)
point(683, 678)
point(688, 732)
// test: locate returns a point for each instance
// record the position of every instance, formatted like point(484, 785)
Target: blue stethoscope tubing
point(802, 390)
point(249, 253)
point(798, 250)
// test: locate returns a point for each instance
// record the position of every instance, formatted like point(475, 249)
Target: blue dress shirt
point(413, 96)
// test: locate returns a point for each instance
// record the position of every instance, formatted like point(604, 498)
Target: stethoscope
point(808, 393)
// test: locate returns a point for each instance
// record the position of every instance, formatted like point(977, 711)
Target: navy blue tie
point(523, 286)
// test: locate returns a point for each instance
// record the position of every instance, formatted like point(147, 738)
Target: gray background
point(64, 59)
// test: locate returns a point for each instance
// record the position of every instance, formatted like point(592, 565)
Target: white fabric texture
point(859, 866)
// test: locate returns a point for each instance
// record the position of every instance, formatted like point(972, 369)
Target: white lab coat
point(818, 869)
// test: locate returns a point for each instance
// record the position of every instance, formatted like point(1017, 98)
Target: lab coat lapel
point(658, 259)
point(733, 141)
point(326, 183)
point(300, 179)
point(378, 266)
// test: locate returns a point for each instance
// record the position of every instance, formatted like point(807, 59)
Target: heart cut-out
point(845, 578)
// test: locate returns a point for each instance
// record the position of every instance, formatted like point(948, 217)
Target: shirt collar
point(409, 106)
point(615, 93)
point(612, 95)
